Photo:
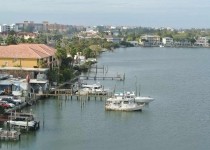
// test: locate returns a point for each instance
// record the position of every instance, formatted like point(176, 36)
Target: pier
point(9, 135)
point(118, 77)
point(69, 94)
point(101, 70)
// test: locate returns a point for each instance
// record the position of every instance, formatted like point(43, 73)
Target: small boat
point(123, 103)
point(91, 85)
point(92, 89)
point(29, 124)
point(23, 120)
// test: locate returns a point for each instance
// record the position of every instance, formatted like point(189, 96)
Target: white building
point(7, 28)
point(114, 39)
point(202, 41)
point(150, 40)
point(13, 27)
point(168, 41)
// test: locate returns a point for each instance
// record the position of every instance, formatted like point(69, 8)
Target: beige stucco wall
point(10, 62)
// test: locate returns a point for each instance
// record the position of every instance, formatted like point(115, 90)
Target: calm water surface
point(178, 119)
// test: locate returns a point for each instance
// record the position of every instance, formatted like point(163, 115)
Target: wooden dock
point(118, 77)
point(9, 135)
point(69, 94)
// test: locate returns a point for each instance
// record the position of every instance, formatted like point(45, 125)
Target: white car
point(18, 101)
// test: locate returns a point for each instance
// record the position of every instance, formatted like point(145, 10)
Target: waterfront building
point(167, 41)
point(150, 40)
point(183, 43)
point(202, 41)
point(27, 55)
point(27, 59)
point(113, 39)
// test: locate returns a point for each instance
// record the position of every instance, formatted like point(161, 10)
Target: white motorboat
point(144, 99)
point(30, 124)
point(94, 85)
point(23, 120)
point(93, 89)
point(83, 91)
point(123, 103)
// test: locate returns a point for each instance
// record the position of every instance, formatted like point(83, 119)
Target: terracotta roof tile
point(26, 51)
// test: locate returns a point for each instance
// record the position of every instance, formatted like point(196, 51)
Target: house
point(27, 59)
point(167, 41)
point(150, 40)
point(27, 35)
point(202, 41)
point(113, 39)
point(28, 56)
point(183, 43)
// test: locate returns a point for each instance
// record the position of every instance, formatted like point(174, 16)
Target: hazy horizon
point(150, 13)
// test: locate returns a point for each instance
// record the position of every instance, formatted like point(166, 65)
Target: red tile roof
point(26, 51)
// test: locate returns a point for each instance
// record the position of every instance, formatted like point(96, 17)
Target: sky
point(146, 13)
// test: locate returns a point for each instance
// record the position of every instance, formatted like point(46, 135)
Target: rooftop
point(36, 51)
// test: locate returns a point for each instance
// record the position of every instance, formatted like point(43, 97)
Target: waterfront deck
point(9, 135)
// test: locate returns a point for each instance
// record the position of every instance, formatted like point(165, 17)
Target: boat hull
point(24, 124)
point(124, 108)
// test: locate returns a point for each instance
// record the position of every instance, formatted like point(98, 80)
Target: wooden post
point(43, 120)
point(27, 124)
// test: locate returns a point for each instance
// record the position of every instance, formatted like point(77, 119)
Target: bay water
point(178, 119)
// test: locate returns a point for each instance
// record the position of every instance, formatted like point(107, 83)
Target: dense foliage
point(2, 110)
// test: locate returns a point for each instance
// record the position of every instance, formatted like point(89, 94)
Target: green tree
point(1, 39)
point(192, 41)
point(53, 75)
point(22, 40)
point(88, 53)
point(66, 74)
point(41, 39)
point(30, 40)
point(11, 40)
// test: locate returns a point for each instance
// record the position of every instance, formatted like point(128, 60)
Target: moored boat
point(92, 89)
point(123, 103)
point(23, 120)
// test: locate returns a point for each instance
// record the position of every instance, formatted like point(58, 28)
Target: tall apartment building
point(4, 28)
